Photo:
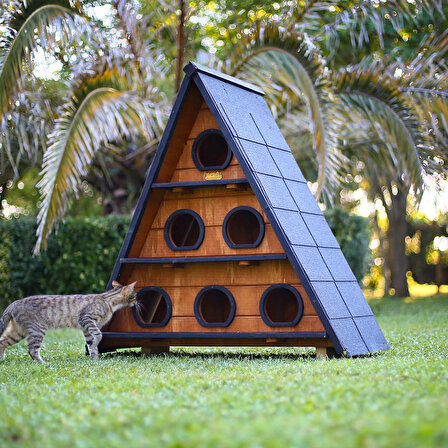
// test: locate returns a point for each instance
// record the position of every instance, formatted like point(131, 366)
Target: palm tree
point(397, 116)
point(315, 102)
point(25, 25)
point(101, 106)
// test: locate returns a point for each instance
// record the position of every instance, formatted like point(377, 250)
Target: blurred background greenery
point(359, 89)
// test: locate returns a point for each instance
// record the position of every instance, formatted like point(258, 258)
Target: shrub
point(81, 255)
point(79, 259)
point(353, 235)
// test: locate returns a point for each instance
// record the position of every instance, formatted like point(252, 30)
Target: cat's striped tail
point(6, 317)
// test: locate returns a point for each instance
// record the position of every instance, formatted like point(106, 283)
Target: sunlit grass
point(415, 289)
point(227, 397)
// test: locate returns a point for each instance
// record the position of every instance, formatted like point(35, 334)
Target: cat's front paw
point(94, 355)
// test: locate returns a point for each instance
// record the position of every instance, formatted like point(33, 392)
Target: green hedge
point(353, 234)
point(79, 259)
point(81, 255)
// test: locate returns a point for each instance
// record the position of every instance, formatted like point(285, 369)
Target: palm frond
point(358, 17)
point(432, 106)
point(292, 73)
point(35, 17)
point(378, 99)
point(100, 109)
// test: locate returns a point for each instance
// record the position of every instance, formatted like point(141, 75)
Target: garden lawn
point(236, 397)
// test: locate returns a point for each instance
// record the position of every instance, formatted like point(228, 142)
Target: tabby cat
point(31, 317)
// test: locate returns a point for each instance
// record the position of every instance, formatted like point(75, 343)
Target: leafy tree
point(386, 108)
point(400, 142)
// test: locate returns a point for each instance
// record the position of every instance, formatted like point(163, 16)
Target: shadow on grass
point(240, 356)
point(216, 355)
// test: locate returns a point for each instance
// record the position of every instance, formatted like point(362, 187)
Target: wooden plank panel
point(204, 120)
point(183, 127)
point(219, 273)
point(124, 321)
point(211, 210)
point(145, 224)
point(247, 299)
point(186, 160)
point(210, 192)
point(194, 175)
point(212, 245)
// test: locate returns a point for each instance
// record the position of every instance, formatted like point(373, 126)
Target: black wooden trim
point(222, 121)
point(260, 222)
point(199, 183)
point(197, 311)
point(152, 175)
point(166, 231)
point(193, 67)
point(298, 297)
point(203, 259)
point(169, 308)
point(214, 335)
point(194, 151)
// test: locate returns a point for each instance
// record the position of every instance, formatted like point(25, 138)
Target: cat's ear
point(132, 285)
point(115, 284)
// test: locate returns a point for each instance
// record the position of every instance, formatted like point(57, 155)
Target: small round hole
point(214, 306)
point(281, 305)
point(154, 307)
point(184, 230)
point(243, 227)
point(210, 151)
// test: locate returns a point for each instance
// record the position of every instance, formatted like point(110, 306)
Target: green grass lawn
point(236, 397)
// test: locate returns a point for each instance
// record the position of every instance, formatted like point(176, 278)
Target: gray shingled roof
point(266, 159)
point(311, 247)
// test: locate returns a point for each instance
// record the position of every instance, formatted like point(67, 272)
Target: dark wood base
point(326, 352)
point(155, 350)
point(109, 343)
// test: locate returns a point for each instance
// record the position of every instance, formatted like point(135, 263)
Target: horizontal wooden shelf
point(202, 259)
point(199, 183)
point(173, 335)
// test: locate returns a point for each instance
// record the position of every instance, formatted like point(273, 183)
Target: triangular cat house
point(227, 244)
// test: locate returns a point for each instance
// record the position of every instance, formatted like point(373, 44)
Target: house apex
point(192, 67)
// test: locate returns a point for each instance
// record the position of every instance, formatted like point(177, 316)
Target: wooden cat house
point(227, 244)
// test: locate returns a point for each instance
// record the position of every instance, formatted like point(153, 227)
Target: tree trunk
point(180, 42)
point(396, 235)
point(384, 266)
point(2, 196)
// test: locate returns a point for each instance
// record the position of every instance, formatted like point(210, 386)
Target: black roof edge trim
point(192, 67)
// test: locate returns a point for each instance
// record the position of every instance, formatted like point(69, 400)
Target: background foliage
point(79, 259)
point(353, 235)
point(81, 255)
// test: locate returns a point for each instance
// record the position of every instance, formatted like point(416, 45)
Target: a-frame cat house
point(227, 244)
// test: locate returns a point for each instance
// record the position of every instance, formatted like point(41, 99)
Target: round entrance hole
point(153, 307)
point(281, 305)
point(210, 151)
point(243, 227)
point(184, 230)
point(214, 306)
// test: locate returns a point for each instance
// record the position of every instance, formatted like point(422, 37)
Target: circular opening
point(243, 227)
point(214, 306)
point(281, 305)
point(184, 230)
point(210, 151)
point(153, 308)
